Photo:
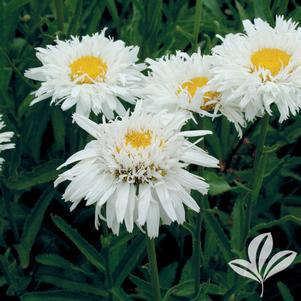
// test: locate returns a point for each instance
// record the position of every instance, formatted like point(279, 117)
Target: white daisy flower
point(260, 68)
point(136, 167)
point(179, 83)
point(92, 73)
point(5, 138)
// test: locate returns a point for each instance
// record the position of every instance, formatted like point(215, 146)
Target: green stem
point(258, 171)
point(196, 243)
point(108, 274)
point(59, 8)
point(197, 254)
point(151, 252)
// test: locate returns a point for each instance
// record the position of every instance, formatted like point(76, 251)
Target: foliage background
point(48, 253)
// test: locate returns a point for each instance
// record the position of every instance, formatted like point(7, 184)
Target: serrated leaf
point(183, 289)
point(237, 226)
point(218, 184)
point(83, 246)
point(219, 235)
point(130, 259)
point(167, 275)
point(58, 296)
point(32, 226)
point(120, 294)
point(60, 281)
point(144, 288)
point(54, 260)
point(41, 174)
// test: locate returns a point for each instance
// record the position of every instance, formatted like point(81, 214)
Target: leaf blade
point(84, 247)
point(32, 226)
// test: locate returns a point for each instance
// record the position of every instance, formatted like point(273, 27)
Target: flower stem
point(197, 254)
point(196, 243)
point(151, 252)
point(258, 171)
point(108, 274)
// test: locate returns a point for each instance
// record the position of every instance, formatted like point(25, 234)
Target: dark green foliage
point(48, 253)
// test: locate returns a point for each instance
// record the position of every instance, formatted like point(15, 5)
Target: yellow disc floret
point(195, 83)
point(88, 69)
point(138, 139)
point(198, 82)
point(272, 59)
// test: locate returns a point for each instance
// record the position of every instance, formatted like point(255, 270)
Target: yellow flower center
point(198, 82)
point(272, 59)
point(89, 69)
point(138, 139)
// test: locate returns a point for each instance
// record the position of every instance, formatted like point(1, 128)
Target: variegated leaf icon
point(258, 267)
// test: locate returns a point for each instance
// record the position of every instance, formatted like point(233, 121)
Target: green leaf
point(242, 12)
point(219, 234)
point(24, 106)
point(144, 288)
point(132, 256)
point(14, 275)
point(291, 210)
point(111, 5)
point(285, 292)
point(184, 289)
point(14, 5)
point(83, 246)
point(58, 296)
point(262, 10)
point(33, 128)
point(76, 20)
point(187, 272)
point(237, 231)
point(167, 275)
point(120, 294)
point(69, 284)
point(58, 125)
point(151, 24)
point(40, 174)
point(284, 219)
point(218, 184)
point(32, 226)
point(54, 260)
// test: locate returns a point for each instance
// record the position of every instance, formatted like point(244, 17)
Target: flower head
point(260, 68)
point(5, 138)
point(136, 168)
point(181, 83)
point(92, 73)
